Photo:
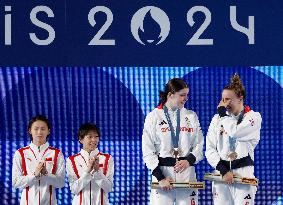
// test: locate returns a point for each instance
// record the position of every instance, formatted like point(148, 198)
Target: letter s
point(47, 27)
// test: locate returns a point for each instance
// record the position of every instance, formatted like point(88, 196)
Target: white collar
point(235, 116)
point(39, 149)
point(86, 155)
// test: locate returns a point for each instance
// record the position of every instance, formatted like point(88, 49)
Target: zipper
point(39, 193)
point(90, 194)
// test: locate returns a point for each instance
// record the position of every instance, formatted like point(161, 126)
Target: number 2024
point(194, 40)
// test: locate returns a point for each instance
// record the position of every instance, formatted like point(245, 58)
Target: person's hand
point(96, 164)
point(38, 169)
point(90, 164)
point(181, 166)
point(44, 170)
point(228, 178)
point(224, 103)
point(165, 184)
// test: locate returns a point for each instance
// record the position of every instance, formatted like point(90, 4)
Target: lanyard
point(232, 144)
point(241, 117)
point(174, 138)
point(232, 141)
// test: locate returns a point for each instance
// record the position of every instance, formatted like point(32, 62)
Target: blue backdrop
point(118, 99)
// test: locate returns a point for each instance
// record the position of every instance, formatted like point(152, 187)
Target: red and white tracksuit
point(157, 145)
point(90, 188)
point(246, 135)
point(38, 191)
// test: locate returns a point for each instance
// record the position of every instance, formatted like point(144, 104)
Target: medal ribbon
point(174, 137)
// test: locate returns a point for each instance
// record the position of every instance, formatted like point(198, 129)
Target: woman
point(90, 172)
point(38, 168)
point(231, 139)
point(172, 143)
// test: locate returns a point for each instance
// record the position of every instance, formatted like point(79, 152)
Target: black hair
point(237, 86)
point(86, 128)
point(37, 118)
point(174, 85)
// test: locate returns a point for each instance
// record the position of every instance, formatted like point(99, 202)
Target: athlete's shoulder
point(55, 149)
point(153, 115)
point(72, 157)
point(23, 149)
point(253, 116)
point(157, 110)
point(215, 119)
point(189, 113)
point(254, 113)
point(105, 154)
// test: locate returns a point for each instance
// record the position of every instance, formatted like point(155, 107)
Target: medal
point(176, 153)
point(232, 156)
point(174, 137)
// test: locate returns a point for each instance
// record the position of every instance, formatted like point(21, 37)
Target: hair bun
point(236, 80)
point(237, 86)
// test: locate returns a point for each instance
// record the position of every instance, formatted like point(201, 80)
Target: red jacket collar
point(247, 109)
point(160, 106)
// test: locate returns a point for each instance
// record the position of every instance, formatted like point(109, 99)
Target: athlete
point(90, 172)
point(172, 143)
point(38, 168)
point(231, 139)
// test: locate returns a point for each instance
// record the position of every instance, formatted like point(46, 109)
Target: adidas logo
point(248, 197)
point(193, 193)
point(163, 123)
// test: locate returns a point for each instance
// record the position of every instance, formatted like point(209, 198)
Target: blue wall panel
point(118, 99)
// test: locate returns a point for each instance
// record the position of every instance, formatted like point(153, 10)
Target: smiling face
point(90, 141)
point(235, 103)
point(178, 99)
point(39, 132)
